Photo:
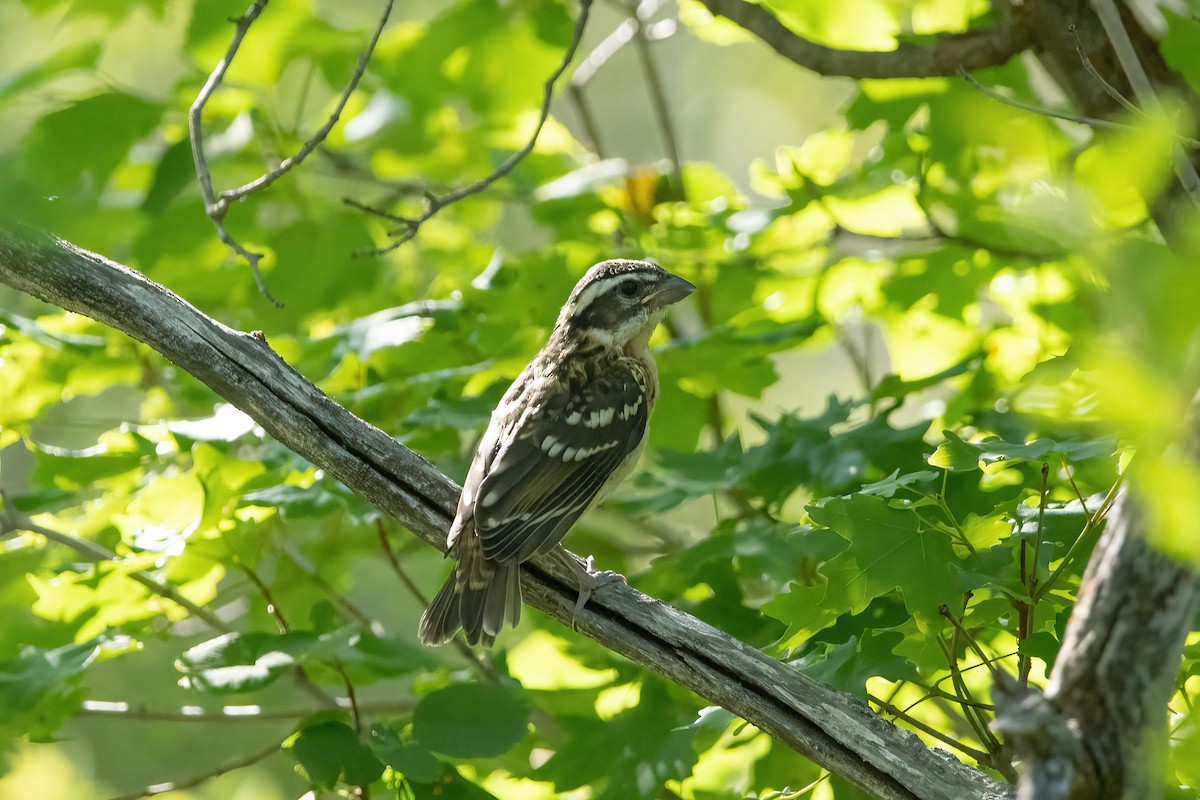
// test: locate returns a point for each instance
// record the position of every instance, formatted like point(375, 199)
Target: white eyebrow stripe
point(606, 284)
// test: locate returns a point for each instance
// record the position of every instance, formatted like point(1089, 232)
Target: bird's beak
point(671, 290)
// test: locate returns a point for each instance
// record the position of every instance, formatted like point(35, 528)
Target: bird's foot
point(589, 579)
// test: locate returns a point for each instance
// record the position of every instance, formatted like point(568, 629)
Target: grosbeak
point(570, 427)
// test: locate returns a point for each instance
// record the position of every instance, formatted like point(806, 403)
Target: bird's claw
point(590, 579)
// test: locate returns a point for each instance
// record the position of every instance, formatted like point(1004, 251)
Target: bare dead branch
point(196, 134)
point(435, 203)
point(831, 728)
point(225, 198)
point(978, 49)
point(216, 206)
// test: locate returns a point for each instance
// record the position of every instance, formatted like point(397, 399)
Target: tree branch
point(978, 49)
point(831, 728)
point(174, 786)
point(216, 206)
point(435, 203)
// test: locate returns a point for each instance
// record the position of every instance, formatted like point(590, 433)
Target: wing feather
point(555, 462)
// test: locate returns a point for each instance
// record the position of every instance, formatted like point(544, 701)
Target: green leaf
point(888, 486)
point(331, 751)
point(64, 145)
point(175, 172)
point(954, 454)
point(388, 656)
point(412, 761)
point(644, 747)
point(470, 720)
point(40, 688)
point(1181, 46)
point(79, 56)
point(316, 500)
point(242, 662)
point(889, 549)
point(849, 665)
point(957, 455)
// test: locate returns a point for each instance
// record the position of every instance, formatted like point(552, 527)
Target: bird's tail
point(478, 597)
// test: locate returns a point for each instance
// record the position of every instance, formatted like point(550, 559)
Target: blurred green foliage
point(926, 345)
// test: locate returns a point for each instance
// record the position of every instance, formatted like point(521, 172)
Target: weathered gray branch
point(831, 728)
point(949, 53)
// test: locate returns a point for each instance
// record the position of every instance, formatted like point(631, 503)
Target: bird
point(569, 428)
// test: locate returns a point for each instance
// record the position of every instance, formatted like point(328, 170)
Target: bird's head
point(618, 303)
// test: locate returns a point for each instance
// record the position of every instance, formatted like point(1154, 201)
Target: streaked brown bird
point(570, 427)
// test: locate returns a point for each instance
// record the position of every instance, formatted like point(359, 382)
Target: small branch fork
point(216, 205)
point(435, 203)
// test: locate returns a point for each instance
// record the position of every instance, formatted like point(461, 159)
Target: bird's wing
point(553, 460)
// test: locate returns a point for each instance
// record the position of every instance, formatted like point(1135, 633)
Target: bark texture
point(1098, 730)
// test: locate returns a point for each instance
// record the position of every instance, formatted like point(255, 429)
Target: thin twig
point(435, 203)
point(233, 195)
point(1092, 522)
point(944, 610)
point(355, 712)
point(860, 360)
point(1071, 480)
point(1143, 89)
point(978, 755)
point(339, 599)
point(483, 667)
point(587, 69)
point(658, 96)
point(1091, 122)
point(1108, 88)
point(936, 691)
point(933, 691)
point(796, 795)
point(972, 713)
point(216, 206)
point(174, 786)
point(1037, 545)
point(1024, 662)
point(272, 607)
point(100, 554)
point(979, 48)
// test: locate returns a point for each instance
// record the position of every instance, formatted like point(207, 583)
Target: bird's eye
point(629, 288)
